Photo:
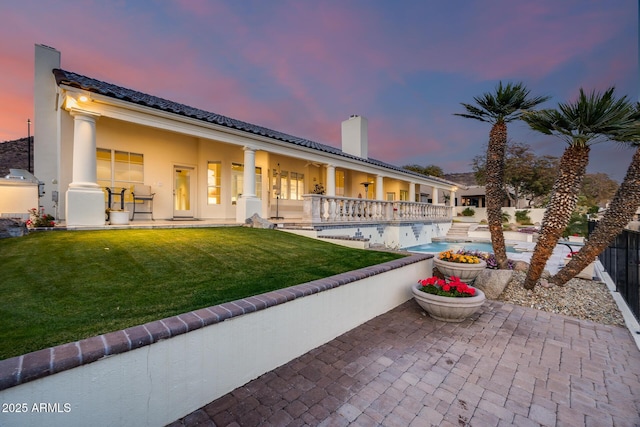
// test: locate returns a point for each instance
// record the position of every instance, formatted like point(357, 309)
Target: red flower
point(451, 287)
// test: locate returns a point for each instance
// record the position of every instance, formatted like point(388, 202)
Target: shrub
point(505, 216)
point(37, 218)
point(577, 226)
point(522, 217)
point(468, 212)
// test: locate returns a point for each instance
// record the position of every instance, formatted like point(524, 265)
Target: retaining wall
point(154, 374)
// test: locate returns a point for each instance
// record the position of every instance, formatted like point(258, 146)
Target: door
point(183, 198)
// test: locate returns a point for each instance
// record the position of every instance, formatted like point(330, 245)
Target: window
point(284, 185)
point(404, 195)
point(391, 196)
point(213, 183)
point(275, 183)
point(340, 183)
point(289, 185)
point(119, 169)
point(296, 186)
point(237, 182)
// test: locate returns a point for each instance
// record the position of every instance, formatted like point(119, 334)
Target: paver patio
point(508, 365)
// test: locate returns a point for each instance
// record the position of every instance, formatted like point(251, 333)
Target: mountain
point(464, 178)
point(14, 155)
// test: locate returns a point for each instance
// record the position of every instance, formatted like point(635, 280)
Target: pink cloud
point(302, 68)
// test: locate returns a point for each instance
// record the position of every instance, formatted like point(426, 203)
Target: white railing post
point(311, 208)
point(332, 209)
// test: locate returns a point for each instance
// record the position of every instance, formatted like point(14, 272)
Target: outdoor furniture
point(112, 195)
point(142, 197)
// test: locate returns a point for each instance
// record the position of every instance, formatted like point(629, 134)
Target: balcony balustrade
point(321, 209)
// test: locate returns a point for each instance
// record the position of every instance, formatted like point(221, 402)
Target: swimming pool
point(436, 247)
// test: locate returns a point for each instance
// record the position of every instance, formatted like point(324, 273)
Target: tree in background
point(505, 105)
point(432, 170)
point(590, 119)
point(526, 176)
point(597, 190)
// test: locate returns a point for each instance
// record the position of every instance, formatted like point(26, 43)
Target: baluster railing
point(319, 208)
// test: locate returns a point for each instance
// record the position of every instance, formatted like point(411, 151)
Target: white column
point(412, 192)
point(331, 181)
point(84, 150)
point(434, 195)
point(379, 187)
point(84, 198)
point(248, 204)
point(452, 201)
point(249, 178)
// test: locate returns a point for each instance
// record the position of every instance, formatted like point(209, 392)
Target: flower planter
point(587, 273)
point(466, 272)
point(448, 309)
point(119, 217)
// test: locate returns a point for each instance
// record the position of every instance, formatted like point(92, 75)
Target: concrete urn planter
point(448, 309)
point(466, 272)
point(119, 217)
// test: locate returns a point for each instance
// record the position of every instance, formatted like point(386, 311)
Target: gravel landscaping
point(583, 299)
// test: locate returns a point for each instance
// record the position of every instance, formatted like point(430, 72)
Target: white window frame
point(116, 178)
point(217, 184)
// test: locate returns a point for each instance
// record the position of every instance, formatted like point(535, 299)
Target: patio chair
point(142, 197)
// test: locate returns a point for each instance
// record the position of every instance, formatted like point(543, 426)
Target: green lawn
point(60, 287)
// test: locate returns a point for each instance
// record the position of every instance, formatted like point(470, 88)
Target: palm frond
point(507, 103)
point(592, 118)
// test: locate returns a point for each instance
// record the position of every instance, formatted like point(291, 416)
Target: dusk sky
point(302, 67)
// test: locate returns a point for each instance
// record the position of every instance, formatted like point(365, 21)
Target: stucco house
point(91, 135)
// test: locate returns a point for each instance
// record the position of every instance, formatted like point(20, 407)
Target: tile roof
point(79, 81)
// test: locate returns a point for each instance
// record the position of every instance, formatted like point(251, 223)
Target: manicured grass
point(60, 287)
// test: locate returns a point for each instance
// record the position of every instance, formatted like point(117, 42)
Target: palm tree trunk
point(564, 197)
point(494, 190)
point(620, 212)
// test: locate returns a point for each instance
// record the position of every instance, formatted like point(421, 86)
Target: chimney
point(354, 136)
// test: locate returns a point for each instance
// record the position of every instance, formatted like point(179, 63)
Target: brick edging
point(38, 364)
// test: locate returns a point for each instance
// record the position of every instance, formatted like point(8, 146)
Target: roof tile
point(69, 78)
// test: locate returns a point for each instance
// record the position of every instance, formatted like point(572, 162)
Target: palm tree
point(591, 119)
point(505, 105)
point(621, 210)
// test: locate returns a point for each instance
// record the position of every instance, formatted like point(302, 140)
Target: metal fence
point(622, 261)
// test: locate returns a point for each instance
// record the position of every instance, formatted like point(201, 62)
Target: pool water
point(436, 247)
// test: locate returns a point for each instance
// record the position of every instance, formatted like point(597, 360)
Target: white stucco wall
point(480, 214)
point(159, 383)
point(17, 197)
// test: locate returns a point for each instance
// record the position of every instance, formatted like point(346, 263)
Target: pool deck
point(524, 251)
